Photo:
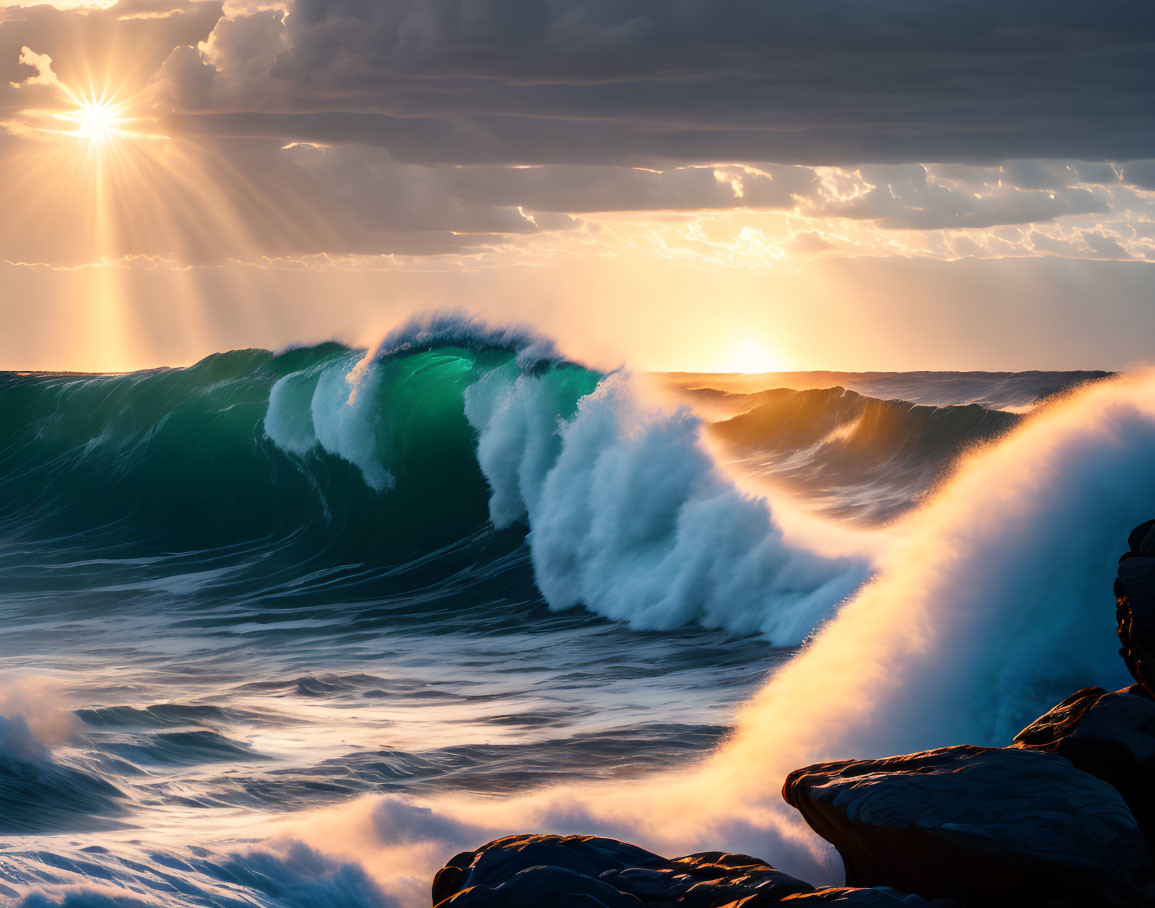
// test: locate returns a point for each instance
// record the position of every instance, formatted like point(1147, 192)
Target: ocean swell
point(857, 456)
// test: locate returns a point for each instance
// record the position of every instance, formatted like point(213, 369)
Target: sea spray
point(629, 516)
point(39, 793)
point(994, 604)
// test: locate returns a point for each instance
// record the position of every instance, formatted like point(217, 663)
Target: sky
point(706, 185)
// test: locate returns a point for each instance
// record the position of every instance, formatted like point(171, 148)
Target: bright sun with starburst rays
point(98, 120)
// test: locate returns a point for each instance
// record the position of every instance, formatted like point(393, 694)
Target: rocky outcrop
point(987, 826)
point(549, 871)
point(1065, 816)
point(1110, 736)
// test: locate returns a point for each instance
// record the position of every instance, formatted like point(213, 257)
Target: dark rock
point(1135, 605)
point(1110, 736)
point(548, 871)
point(1060, 721)
point(986, 826)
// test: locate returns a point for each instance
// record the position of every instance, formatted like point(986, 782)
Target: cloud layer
point(636, 81)
point(424, 127)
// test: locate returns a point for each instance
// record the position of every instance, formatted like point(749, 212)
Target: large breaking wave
point(321, 456)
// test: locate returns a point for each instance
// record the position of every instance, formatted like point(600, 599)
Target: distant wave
point(870, 458)
point(1012, 391)
point(322, 456)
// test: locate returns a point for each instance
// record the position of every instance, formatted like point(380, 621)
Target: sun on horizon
point(751, 356)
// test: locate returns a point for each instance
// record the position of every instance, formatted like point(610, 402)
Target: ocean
point(289, 628)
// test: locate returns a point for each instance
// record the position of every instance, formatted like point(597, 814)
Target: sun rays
point(99, 177)
point(97, 121)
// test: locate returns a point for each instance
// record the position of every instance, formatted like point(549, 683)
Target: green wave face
point(250, 446)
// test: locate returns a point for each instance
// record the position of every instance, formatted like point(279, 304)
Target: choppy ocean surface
point(275, 582)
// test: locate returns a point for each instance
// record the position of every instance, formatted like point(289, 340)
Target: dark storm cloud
point(1140, 174)
point(635, 81)
point(421, 107)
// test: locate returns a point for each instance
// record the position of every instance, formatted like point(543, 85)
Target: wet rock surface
point(1109, 735)
point(548, 871)
point(987, 826)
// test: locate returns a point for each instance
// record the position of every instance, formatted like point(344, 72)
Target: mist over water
point(996, 603)
point(292, 628)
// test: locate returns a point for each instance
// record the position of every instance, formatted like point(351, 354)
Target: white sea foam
point(630, 516)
